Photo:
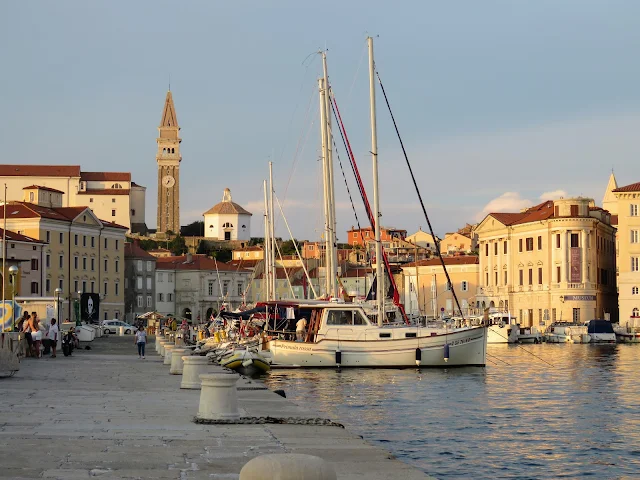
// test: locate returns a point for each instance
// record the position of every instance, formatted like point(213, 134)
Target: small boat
point(565, 332)
point(601, 331)
point(529, 335)
point(246, 362)
point(503, 328)
point(629, 333)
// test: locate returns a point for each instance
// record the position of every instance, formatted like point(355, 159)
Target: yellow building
point(627, 208)
point(83, 253)
point(552, 262)
point(425, 287)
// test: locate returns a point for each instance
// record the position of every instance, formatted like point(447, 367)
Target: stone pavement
point(105, 413)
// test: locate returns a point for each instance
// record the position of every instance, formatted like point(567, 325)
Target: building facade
point(168, 159)
point(28, 254)
point(423, 239)
point(111, 195)
point(551, 262)
point(139, 281)
point(227, 221)
point(362, 236)
point(82, 253)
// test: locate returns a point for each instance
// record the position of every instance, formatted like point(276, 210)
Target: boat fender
point(418, 356)
point(281, 393)
point(446, 352)
point(338, 357)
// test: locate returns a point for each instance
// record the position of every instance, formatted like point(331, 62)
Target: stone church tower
point(168, 158)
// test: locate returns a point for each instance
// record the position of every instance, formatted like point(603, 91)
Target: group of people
point(37, 336)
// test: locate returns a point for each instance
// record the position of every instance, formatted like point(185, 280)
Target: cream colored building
point(627, 209)
point(423, 239)
point(426, 291)
point(111, 195)
point(27, 254)
point(227, 220)
point(255, 252)
point(552, 262)
point(83, 253)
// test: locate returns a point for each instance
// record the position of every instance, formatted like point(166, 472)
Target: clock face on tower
point(168, 181)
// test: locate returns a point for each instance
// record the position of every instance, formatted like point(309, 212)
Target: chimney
point(189, 258)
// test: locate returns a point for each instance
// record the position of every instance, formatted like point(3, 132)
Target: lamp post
point(58, 292)
point(13, 271)
point(78, 322)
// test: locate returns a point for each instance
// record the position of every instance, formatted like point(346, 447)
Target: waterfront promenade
point(105, 413)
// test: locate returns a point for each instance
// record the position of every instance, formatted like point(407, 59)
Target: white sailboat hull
point(502, 334)
point(466, 348)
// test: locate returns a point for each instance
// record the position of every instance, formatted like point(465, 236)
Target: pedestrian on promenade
point(36, 333)
point(27, 328)
point(301, 325)
point(52, 336)
point(141, 341)
point(24, 318)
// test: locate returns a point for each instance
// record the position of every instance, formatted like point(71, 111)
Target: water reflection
point(520, 418)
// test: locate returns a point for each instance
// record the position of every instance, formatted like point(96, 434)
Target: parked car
point(111, 326)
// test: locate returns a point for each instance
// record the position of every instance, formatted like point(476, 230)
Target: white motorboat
point(628, 333)
point(529, 335)
point(564, 332)
point(601, 331)
point(503, 328)
point(341, 335)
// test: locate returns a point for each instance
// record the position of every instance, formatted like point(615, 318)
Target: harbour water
point(517, 418)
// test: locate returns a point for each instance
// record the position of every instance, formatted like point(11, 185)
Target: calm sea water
point(517, 418)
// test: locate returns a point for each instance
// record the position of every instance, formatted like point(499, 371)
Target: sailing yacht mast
point(266, 277)
point(272, 247)
point(376, 197)
point(332, 254)
point(326, 192)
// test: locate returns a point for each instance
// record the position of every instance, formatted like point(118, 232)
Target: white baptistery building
point(227, 220)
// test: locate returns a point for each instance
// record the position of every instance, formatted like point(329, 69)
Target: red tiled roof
point(458, 260)
point(135, 250)
point(17, 237)
point(39, 170)
point(357, 272)
point(160, 250)
point(634, 187)
point(106, 176)
point(105, 191)
point(109, 224)
point(65, 214)
point(244, 263)
point(538, 212)
point(255, 248)
point(227, 208)
point(40, 187)
point(198, 262)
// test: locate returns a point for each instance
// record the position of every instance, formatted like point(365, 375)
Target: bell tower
point(168, 159)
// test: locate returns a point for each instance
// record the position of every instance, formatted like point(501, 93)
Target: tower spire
point(168, 159)
point(169, 118)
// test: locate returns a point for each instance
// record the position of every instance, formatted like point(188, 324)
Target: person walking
point(141, 341)
point(301, 326)
point(52, 336)
point(36, 333)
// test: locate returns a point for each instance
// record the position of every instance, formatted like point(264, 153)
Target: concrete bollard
point(218, 397)
point(167, 354)
point(159, 343)
point(176, 360)
point(163, 343)
point(191, 370)
point(288, 466)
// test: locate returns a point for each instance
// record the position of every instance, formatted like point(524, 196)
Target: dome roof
point(227, 206)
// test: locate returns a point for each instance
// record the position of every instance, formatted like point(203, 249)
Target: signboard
point(50, 312)
point(90, 307)
point(576, 266)
point(580, 298)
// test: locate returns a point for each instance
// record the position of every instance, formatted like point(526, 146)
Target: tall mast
point(376, 196)
point(272, 248)
point(332, 253)
point(266, 276)
point(326, 190)
point(4, 254)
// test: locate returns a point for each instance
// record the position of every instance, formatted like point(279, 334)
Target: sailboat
point(342, 334)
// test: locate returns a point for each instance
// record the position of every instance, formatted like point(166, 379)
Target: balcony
point(575, 286)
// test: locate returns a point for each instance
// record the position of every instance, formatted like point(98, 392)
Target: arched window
point(116, 186)
point(244, 226)
point(173, 150)
point(227, 225)
point(634, 290)
point(635, 312)
point(164, 150)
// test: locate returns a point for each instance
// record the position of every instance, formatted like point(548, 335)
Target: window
point(634, 313)
point(149, 283)
point(634, 290)
point(575, 240)
point(531, 276)
point(465, 286)
point(60, 281)
point(34, 287)
point(634, 236)
point(520, 245)
point(558, 275)
point(61, 238)
point(60, 261)
point(149, 300)
point(75, 240)
point(116, 290)
point(84, 286)
point(505, 277)
point(539, 276)
point(93, 242)
point(117, 265)
point(241, 290)
point(106, 265)
point(34, 264)
point(139, 283)
point(47, 260)
point(106, 243)
point(557, 240)
point(496, 278)
point(149, 265)
point(553, 314)
point(113, 212)
point(139, 300)
point(529, 244)
point(48, 234)
point(47, 286)
point(633, 210)
point(93, 264)
point(634, 264)
point(486, 250)
point(574, 210)
point(521, 276)
point(344, 317)
point(160, 277)
point(75, 262)
point(539, 316)
point(93, 287)
point(160, 297)
point(170, 278)
point(113, 200)
point(84, 240)
point(504, 249)
point(225, 287)
point(75, 286)
point(539, 243)
point(106, 289)
point(106, 315)
point(495, 249)
point(116, 186)
point(210, 288)
point(576, 315)
point(486, 281)
point(117, 244)
point(139, 265)
point(169, 297)
point(133, 212)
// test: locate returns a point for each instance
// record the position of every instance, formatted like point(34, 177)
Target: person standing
point(27, 328)
point(52, 336)
point(36, 333)
point(301, 326)
point(141, 341)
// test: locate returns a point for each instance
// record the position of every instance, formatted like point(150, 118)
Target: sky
point(501, 104)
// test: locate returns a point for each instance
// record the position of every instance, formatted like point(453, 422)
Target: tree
point(148, 244)
point(194, 229)
point(178, 246)
point(256, 241)
point(288, 248)
point(223, 255)
point(203, 247)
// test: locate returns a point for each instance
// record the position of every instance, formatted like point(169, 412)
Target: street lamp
point(13, 271)
point(78, 322)
point(58, 292)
